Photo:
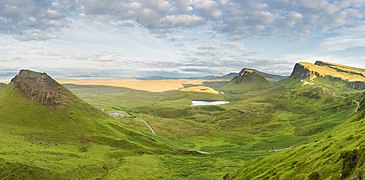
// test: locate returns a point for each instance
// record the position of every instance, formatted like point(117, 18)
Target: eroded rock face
point(301, 72)
point(41, 87)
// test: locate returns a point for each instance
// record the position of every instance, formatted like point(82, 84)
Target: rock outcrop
point(301, 72)
point(358, 85)
point(42, 88)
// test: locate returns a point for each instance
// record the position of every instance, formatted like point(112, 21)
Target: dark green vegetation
point(297, 128)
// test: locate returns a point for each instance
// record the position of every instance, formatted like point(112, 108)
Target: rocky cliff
point(352, 77)
point(302, 72)
point(42, 88)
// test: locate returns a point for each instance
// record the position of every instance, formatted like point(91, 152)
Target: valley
point(140, 134)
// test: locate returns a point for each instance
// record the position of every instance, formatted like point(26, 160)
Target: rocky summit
point(42, 88)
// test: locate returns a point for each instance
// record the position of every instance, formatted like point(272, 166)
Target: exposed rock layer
point(41, 87)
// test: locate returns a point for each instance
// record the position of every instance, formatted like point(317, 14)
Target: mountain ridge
point(353, 77)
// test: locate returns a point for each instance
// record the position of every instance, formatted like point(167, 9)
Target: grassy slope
point(74, 142)
point(325, 155)
point(287, 114)
point(340, 154)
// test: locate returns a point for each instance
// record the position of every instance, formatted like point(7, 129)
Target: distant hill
point(248, 76)
point(246, 80)
point(230, 76)
point(224, 77)
point(267, 76)
point(352, 77)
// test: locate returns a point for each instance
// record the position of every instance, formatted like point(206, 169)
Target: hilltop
point(246, 80)
point(267, 76)
point(247, 76)
point(42, 88)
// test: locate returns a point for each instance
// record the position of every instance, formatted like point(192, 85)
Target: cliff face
point(42, 88)
point(352, 77)
point(301, 72)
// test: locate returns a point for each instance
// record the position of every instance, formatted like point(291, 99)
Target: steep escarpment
point(302, 71)
point(352, 77)
point(42, 88)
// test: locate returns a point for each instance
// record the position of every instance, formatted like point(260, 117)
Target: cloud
point(31, 17)
point(241, 18)
point(346, 38)
point(181, 20)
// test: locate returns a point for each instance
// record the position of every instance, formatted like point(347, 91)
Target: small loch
point(208, 103)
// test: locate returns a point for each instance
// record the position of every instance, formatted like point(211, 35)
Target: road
point(145, 122)
point(357, 102)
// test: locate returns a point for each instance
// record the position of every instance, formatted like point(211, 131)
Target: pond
point(208, 103)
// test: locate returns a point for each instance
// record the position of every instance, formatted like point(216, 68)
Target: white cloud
point(181, 20)
point(346, 38)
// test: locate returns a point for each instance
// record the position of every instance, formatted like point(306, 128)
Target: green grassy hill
point(247, 80)
point(76, 141)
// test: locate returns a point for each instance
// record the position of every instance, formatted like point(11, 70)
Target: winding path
point(358, 105)
point(357, 102)
point(145, 122)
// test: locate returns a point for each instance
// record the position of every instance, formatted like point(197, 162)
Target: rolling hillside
point(49, 133)
point(338, 155)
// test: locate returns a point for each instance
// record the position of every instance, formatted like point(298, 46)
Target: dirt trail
point(357, 102)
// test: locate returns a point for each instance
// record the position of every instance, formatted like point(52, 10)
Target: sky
point(177, 38)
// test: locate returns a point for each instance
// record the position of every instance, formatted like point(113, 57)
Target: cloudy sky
point(177, 38)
